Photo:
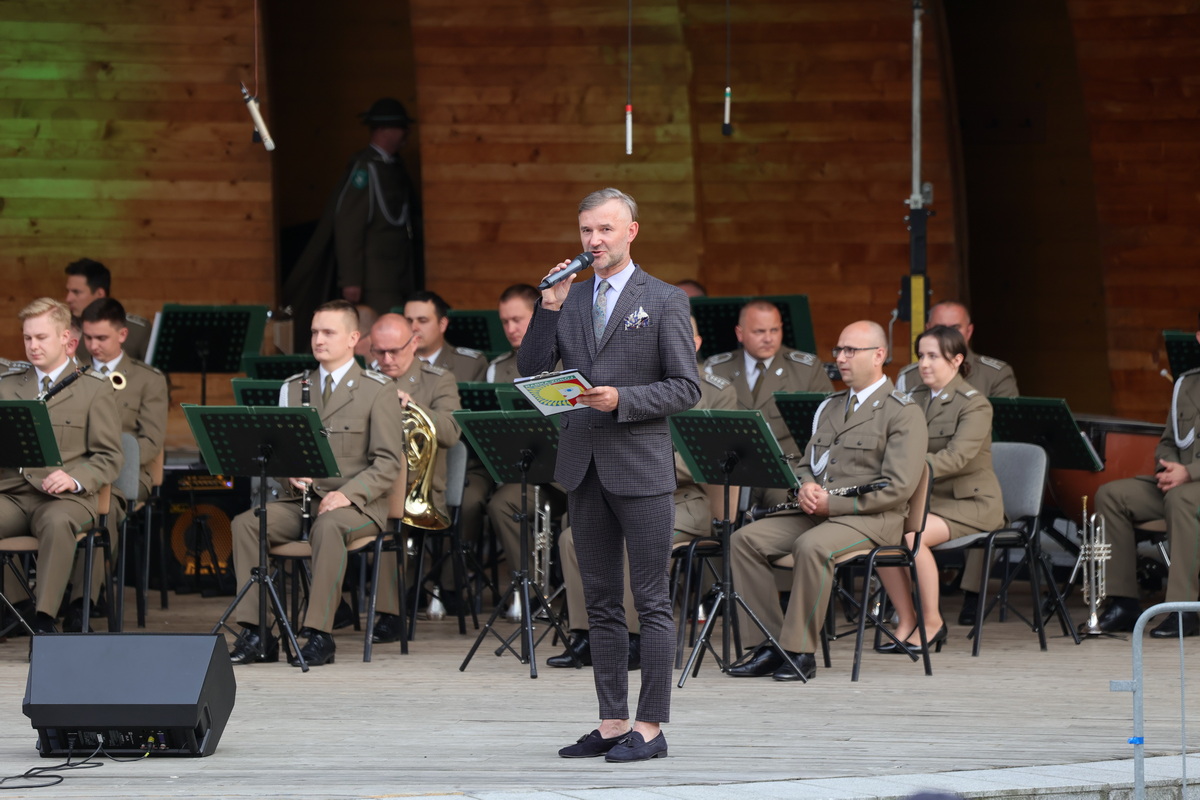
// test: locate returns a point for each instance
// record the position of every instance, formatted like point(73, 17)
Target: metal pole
point(915, 200)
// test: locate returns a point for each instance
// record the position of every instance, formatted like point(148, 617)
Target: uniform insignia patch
point(376, 376)
point(468, 352)
point(434, 368)
point(290, 378)
point(717, 380)
point(808, 359)
point(719, 358)
point(904, 399)
point(994, 363)
point(971, 392)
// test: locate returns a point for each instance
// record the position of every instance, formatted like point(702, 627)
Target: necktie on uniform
point(327, 390)
point(852, 406)
point(45, 383)
point(600, 310)
point(104, 370)
point(760, 376)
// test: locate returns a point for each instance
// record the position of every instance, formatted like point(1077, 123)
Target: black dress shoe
point(251, 649)
point(388, 628)
point(344, 617)
point(634, 748)
point(807, 663)
point(1120, 616)
point(1169, 628)
point(581, 647)
point(43, 623)
point(970, 605)
point(318, 651)
point(762, 662)
point(73, 619)
point(635, 652)
point(591, 745)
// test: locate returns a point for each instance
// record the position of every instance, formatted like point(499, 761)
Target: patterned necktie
point(600, 310)
point(760, 372)
point(328, 390)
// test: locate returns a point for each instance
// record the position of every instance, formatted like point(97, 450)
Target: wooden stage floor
point(412, 725)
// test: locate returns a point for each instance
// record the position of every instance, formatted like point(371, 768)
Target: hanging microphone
point(578, 264)
point(259, 125)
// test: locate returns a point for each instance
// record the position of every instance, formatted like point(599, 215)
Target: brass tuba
point(420, 451)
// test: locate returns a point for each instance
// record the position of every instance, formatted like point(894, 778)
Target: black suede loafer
point(805, 661)
point(634, 748)
point(591, 745)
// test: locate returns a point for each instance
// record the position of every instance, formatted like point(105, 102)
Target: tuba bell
point(420, 451)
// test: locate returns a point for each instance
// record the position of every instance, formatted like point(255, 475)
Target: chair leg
point(862, 618)
point(920, 611)
point(372, 596)
point(118, 599)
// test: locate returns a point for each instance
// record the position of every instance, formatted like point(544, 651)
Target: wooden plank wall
point(1140, 72)
point(123, 138)
point(521, 109)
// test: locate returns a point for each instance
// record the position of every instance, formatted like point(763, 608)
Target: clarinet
point(757, 513)
point(64, 383)
point(306, 496)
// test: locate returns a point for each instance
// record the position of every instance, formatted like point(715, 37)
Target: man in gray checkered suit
point(630, 335)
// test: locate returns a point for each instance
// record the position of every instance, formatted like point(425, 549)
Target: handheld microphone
point(259, 125)
point(578, 264)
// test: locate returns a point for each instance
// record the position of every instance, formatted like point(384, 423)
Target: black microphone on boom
point(578, 264)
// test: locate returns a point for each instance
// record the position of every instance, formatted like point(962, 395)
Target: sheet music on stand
point(1047, 422)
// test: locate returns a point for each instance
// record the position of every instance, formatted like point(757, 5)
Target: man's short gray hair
point(602, 196)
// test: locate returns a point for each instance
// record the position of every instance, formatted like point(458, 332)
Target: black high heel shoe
point(937, 640)
point(891, 647)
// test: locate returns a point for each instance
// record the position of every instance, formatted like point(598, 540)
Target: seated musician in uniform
point(693, 519)
point(966, 495)
point(56, 504)
point(1172, 493)
point(142, 404)
point(88, 281)
point(762, 366)
point(865, 434)
point(433, 388)
point(358, 410)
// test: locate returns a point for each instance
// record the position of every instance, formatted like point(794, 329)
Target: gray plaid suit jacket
point(653, 367)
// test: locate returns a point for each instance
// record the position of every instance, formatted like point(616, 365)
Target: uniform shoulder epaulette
point(908, 368)
point(136, 320)
point(15, 369)
point(291, 378)
point(969, 392)
point(503, 357)
point(91, 373)
point(144, 365)
point(717, 381)
point(719, 358)
point(434, 368)
point(902, 398)
point(379, 377)
point(469, 352)
point(800, 357)
point(994, 363)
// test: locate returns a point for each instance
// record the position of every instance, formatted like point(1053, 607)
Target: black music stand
point(516, 446)
point(716, 318)
point(479, 396)
point(798, 410)
point(726, 448)
point(511, 399)
point(26, 440)
point(206, 339)
point(1183, 351)
point(256, 392)
point(284, 442)
point(277, 367)
point(479, 330)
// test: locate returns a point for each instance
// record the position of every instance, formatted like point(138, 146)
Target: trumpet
point(756, 513)
point(542, 546)
point(1094, 553)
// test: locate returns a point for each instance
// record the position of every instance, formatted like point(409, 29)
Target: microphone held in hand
point(578, 264)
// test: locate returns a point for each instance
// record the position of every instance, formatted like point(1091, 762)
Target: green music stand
point(797, 410)
point(1047, 422)
point(252, 392)
point(262, 442)
point(724, 448)
point(1183, 351)
point(479, 396)
point(26, 440)
point(479, 330)
point(511, 399)
point(716, 318)
point(205, 339)
point(277, 367)
point(516, 447)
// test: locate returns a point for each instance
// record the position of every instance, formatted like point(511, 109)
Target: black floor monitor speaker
point(166, 694)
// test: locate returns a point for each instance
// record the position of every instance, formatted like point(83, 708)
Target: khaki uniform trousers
point(504, 503)
point(55, 523)
point(817, 545)
point(330, 534)
point(116, 517)
point(1134, 500)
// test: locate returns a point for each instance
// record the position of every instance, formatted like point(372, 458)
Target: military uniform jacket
point(991, 376)
point(885, 438)
point(366, 434)
point(1180, 441)
point(790, 371)
point(965, 488)
point(647, 353)
point(142, 406)
point(503, 368)
point(138, 340)
point(372, 226)
point(86, 427)
point(465, 365)
point(435, 390)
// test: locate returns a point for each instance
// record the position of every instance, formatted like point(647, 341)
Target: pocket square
point(638, 319)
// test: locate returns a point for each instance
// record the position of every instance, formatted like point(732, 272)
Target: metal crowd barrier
point(1136, 686)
